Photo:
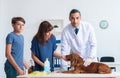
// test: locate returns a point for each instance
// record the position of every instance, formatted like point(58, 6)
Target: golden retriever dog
point(76, 62)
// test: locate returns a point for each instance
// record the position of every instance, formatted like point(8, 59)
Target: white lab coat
point(84, 42)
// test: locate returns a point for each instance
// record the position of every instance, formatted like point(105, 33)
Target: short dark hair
point(15, 19)
point(74, 11)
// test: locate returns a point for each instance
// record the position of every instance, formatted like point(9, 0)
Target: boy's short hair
point(74, 11)
point(15, 19)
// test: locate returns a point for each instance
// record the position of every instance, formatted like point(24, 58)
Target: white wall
point(33, 11)
point(2, 40)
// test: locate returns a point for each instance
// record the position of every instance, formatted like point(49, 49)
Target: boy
point(14, 49)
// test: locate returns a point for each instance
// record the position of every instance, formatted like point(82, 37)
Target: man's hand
point(87, 62)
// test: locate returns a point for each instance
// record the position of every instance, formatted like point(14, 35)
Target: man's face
point(75, 19)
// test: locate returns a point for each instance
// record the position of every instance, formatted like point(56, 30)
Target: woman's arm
point(37, 60)
point(56, 54)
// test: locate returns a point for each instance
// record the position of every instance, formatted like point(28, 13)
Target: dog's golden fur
point(77, 63)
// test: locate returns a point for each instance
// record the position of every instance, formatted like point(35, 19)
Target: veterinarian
point(79, 36)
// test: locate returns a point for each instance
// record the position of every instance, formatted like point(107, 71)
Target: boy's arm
point(37, 60)
point(11, 59)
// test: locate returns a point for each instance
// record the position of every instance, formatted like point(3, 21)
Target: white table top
point(58, 75)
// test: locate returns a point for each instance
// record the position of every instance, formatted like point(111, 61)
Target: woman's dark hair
point(15, 19)
point(74, 11)
point(44, 27)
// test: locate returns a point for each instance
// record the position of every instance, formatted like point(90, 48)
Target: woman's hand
point(64, 57)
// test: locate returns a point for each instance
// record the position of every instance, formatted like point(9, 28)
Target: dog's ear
point(80, 62)
point(74, 59)
point(73, 62)
point(68, 57)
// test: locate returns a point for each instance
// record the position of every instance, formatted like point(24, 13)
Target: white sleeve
point(93, 43)
point(65, 49)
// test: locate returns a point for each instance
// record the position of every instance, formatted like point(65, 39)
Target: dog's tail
point(104, 69)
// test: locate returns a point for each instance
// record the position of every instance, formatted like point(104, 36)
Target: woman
point(44, 46)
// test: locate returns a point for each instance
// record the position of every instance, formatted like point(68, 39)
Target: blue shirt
point(44, 51)
point(17, 42)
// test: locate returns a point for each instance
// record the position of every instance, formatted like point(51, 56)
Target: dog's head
point(74, 58)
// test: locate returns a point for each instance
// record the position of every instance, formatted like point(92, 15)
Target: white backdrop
point(33, 11)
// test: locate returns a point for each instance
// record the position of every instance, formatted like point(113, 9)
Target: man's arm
point(64, 44)
point(65, 49)
point(93, 44)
